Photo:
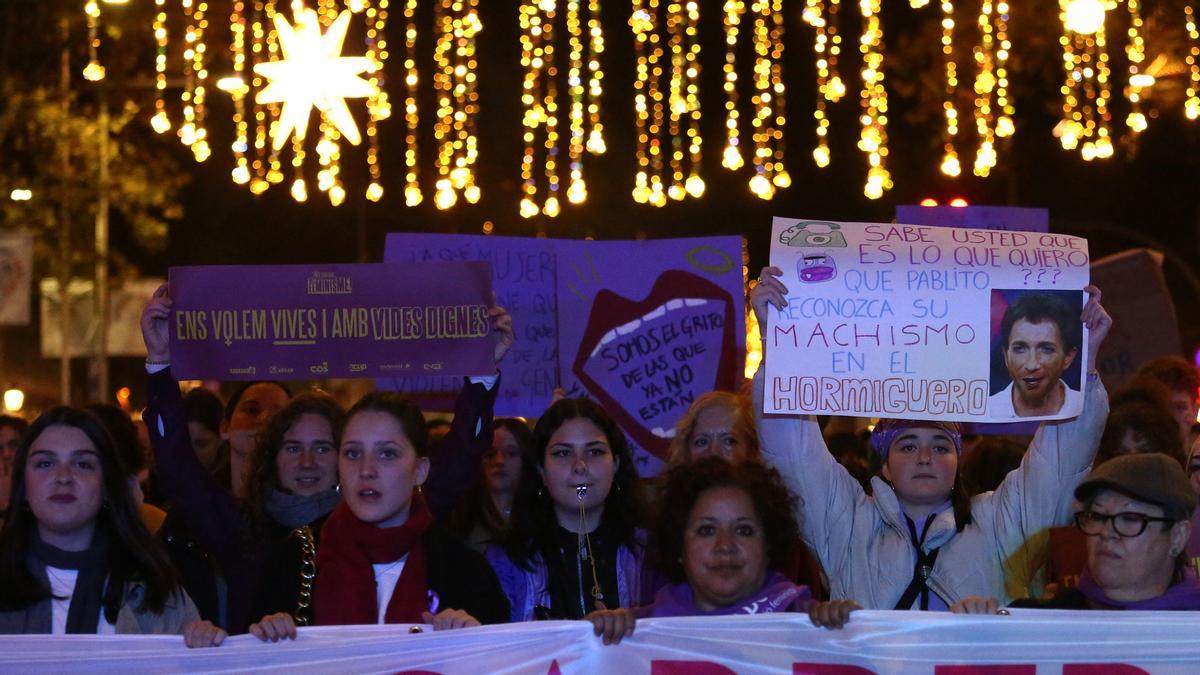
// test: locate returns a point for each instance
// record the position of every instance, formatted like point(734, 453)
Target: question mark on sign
point(1027, 273)
point(1041, 274)
point(1057, 273)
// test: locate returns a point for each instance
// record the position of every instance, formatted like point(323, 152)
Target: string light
point(595, 87)
point(683, 104)
point(950, 164)
point(577, 188)
point(161, 123)
point(1191, 106)
point(988, 72)
point(238, 90)
point(412, 186)
point(827, 44)
point(768, 100)
point(378, 106)
point(731, 157)
point(646, 56)
point(873, 100)
point(1135, 52)
point(536, 119)
point(1087, 87)
point(457, 23)
point(93, 70)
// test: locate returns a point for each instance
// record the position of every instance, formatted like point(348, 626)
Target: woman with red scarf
point(381, 558)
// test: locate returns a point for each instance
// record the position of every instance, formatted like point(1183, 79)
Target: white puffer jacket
point(864, 544)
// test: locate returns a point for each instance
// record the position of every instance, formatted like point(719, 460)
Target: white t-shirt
point(62, 586)
point(386, 576)
point(1000, 404)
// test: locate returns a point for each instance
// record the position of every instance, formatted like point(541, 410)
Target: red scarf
point(344, 593)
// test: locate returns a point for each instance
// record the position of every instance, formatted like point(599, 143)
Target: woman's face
point(307, 463)
point(724, 548)
point(578, 454)
point(502, 463)
point(1133, 568)
point(714, 434)
point(379, 468)
point(64, 484)
point(254, 408)
point(921, 465)
point(204, 443)
point(10, 442)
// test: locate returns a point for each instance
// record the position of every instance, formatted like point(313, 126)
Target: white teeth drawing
point(656, 313)
point(663, 433)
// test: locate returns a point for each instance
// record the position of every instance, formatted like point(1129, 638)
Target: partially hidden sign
point(652, 325)
point(644, 327)
point(916, 321)
point(317, 321)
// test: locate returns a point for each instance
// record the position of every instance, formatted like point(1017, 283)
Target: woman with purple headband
point(917, 542)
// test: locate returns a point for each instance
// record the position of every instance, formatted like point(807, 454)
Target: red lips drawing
point(646, 361)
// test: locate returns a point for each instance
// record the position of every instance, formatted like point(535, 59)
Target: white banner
point(16, 274)
point(1030, 642)
point(905, 321)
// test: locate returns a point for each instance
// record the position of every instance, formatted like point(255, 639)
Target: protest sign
point(523, 272)
point(1013, 218)
point(1144, 322)
point(16, 277)
point(653, 325)
point(1028, 642)
point(909, 321)
point(304, 321)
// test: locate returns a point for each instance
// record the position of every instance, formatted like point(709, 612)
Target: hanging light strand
point(950, 164)
point(200, 148)
point(238, 90)
point(1135, 52)
point(595, 87)
point(985, 90)
point(677, 107)
point(731, 157)
point(1085, 124)
point(379, 107)
point(550, 105)
point(827, 42)
point(412, 117)
point(694, 184)
point(1191, 106)
point(577, 187)
point(161, 122)
point(529, 19)
point(1005, 111)
point(873, 101)
point(93, 71)
point(768, 99)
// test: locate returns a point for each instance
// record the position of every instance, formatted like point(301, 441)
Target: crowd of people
point(273, 509)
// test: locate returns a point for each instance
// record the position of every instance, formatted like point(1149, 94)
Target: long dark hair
point(533, 522)
point(134, 554)
point(477, 505)
point(264, 474)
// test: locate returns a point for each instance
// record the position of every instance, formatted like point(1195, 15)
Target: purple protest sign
point(654, 325)
point(318, 321)
point(523, 271)
point(1012, 218)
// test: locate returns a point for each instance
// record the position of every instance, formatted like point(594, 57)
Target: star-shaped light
point(313, 74)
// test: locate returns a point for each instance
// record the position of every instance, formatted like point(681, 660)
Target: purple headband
point(887, 430)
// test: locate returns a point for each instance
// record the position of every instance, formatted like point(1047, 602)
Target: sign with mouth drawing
point(653, 325)
point(924, 322)
point(299, 322)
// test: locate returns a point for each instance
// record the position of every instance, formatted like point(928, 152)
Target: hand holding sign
point(156, 326)
point(502, 329)
point(1098, 323)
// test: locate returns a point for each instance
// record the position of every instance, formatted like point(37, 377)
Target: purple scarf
point(1183, 596)
point(777, 594)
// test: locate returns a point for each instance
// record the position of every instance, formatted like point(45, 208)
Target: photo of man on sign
point(1039, 339)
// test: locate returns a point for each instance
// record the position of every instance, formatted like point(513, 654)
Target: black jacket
point(462, 578)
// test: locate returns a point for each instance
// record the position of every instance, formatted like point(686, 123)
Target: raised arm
point(455, 461)
point(1040, 493)
point(208, 509)
point(828, 496)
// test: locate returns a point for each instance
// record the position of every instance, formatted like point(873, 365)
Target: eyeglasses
point(1126, 524)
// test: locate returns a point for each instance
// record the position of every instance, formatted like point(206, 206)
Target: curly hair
point(774, 505)
point(533, 520)
point(679, 451)
point(264, 475)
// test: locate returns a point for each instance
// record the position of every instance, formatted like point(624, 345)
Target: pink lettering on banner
point(828, 669)
point(1102, 669)
point(688, 668)
point(987, 669)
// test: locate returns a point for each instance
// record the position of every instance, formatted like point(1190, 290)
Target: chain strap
point(308, 572)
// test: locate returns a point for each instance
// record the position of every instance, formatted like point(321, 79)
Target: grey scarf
point(294, 511)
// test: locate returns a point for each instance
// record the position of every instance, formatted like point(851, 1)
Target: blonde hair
point(679, 451)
